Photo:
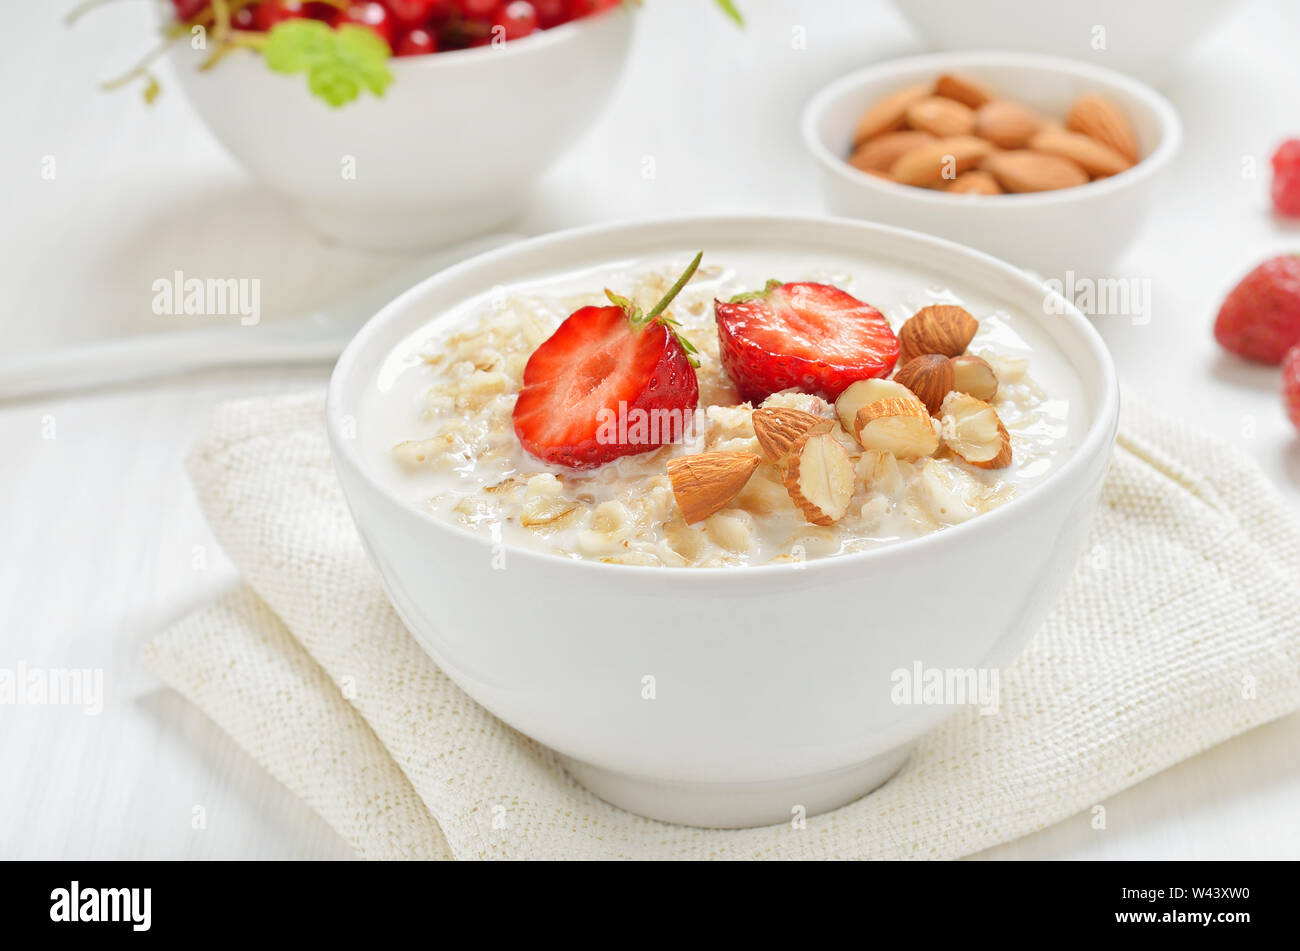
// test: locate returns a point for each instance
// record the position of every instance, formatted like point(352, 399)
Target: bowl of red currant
point(398, 123)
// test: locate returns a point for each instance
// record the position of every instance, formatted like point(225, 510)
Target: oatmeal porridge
point(952, 429)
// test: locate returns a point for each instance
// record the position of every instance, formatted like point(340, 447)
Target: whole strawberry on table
point(1260, 320)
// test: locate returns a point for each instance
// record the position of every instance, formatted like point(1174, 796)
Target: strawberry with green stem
point(611, 381)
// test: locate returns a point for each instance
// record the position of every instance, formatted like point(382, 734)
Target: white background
point(101, 543)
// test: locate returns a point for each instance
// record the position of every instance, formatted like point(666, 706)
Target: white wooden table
point(101, 543)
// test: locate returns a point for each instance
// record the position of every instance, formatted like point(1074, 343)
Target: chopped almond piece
point(859, 394)
point(900, 426)
point(819, 478)
point(971, 429)
point(973, 375)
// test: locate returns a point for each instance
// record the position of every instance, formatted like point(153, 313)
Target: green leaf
point(730, 9)
point(365, 52)
point(657, 315)
point(336, 86)
point(339, 63)
point(632, 311)
point(770, 286)
point(294, 46)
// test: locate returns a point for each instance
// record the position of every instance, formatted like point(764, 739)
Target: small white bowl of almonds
point(1047, 163)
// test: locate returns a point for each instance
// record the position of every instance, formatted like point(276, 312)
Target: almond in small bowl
point(1086, 144)
point(933, 137)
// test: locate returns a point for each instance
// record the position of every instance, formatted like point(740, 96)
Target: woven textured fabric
point(1180, 629)
point(236, 661)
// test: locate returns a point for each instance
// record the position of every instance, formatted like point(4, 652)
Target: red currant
point(185, 9)
point(516, 19)
point(478, 9)
point(410, 13)
point(244, 18)
point(372, 15)
point(1286, 178)
point(271, 12)
point(416, 42)
point(551, 13)
point(583, 8)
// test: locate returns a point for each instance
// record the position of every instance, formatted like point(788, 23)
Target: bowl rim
point(1097, 440)
point(1171, 129)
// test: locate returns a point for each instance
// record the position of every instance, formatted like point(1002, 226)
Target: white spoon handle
point(316, 337)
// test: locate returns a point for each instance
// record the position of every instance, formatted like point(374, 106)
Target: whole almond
point(930, 377)
point(941, 117)
point(888, 113)
point(1104, 121)
point(945, 329)
point(963, 89)
point(779, 429)
point(975, 182)
point(704, 483)
point(1026, 171)
point(1006, 124)
point(940, 160)
point(880, 153)
point(1093, 157)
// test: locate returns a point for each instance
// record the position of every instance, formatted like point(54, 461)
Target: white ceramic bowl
point(449, 151)
point(1144, 38)
point(773, 682)
point(1084, 229)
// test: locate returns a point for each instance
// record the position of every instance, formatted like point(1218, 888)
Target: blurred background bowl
point(1085, 229)
point(1143, 38)
point(448, 152)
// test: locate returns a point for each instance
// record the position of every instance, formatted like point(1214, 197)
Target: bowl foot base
point(739, 805)
point(411, 229)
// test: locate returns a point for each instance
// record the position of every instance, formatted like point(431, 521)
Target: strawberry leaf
point(632, 311)
point(656, 315)
point(770, 286)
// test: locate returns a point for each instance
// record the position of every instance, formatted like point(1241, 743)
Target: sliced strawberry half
point(812, 337)
point(611, 381)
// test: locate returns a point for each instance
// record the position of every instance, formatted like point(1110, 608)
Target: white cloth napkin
point(1180, 629)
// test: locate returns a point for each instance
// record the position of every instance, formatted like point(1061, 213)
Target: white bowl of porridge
point(716, 624)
